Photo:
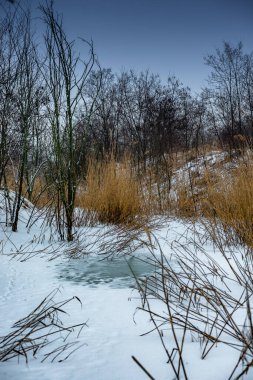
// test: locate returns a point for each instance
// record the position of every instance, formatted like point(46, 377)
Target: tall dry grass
point(111, 192)
point(229, 203)
point(222, 193)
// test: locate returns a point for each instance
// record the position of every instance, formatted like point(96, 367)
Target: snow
point(110, 307)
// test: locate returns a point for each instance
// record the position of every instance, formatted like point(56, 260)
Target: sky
point(168, 37)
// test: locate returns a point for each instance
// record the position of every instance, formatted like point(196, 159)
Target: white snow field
point(109, 305)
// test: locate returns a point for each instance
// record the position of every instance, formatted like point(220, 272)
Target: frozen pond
point(119, 272)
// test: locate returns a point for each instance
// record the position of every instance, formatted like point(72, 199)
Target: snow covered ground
point(110, 307)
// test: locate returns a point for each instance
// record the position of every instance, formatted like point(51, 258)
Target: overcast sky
point(164, 36)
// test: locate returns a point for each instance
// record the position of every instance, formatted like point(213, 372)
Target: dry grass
point(223, 194)
point(230, 202)
point(221, 191)
point(183, 203)
point(41, 194)
point(155, 191)
point(197, 300)
point(112, 192)
point(39, 330)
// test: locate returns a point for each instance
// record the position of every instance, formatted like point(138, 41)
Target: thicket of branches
point(59, 108)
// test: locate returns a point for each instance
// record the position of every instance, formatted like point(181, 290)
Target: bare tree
point(27, 100)
point(19, 103)
point(66, 75)
point(231, 92)
point(8, 75)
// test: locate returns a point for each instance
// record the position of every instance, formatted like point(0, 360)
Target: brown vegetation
point(111, 191)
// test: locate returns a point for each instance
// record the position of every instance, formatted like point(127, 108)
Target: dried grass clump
point(183, 202)
point(155, 191)
point(230, 202)
point(112, 192)
point(190, 192)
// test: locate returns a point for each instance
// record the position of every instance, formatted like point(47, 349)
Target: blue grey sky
point(164, 36)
